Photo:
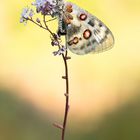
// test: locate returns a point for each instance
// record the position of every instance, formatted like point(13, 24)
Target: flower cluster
point(45, 7)
point(26, 14)
point(60, 51)
point(55, 42)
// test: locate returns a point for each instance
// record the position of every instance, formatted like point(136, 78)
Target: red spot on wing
point(75, 40)
point(87, 34)
point(83, 16)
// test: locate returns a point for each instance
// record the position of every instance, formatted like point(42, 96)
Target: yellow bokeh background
point(99, 83)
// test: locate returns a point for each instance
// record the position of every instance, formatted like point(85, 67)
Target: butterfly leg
point(51, 20)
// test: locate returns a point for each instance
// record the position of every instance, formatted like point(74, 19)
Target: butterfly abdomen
point(61, 24)
point(61, 27)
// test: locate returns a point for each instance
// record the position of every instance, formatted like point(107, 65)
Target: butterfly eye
point(83, 17)
point(87, 34)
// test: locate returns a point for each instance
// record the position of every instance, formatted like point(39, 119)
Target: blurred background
point(104, 88)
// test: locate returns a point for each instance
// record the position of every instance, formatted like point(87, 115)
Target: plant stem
point(66, 95)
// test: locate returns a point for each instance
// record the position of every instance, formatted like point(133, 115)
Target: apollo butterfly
point(84, 32)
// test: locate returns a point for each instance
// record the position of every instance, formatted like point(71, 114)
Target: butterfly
point(84, 32)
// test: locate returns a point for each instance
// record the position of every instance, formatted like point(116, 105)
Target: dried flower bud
point(55, 53)
point(38, 20)
point(60, 51)
point(31, 13)
point(54, 43)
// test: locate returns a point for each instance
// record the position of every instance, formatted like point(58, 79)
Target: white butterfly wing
point(85, 32)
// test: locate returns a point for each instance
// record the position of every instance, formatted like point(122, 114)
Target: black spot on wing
point(75, 48)
point(82, 47)
point(70, 42)
point(102, 40)
point(100, 24)
point(93, 41)
point(96, 31)
point(107, 32)
point(72, 30)
point(89, 44)
point(91, 23)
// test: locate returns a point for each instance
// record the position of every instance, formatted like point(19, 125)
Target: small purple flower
point(54, 43)
point(60, 51)
point(55, 53)
point(63, 49)
point(26, 13)
point(31, 13)
point(44, 6)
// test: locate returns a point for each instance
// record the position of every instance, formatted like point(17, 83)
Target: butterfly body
point(84, 32)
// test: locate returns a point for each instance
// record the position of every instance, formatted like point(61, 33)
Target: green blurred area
point(20, 121)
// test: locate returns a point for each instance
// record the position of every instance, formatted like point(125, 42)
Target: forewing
point(85, 32)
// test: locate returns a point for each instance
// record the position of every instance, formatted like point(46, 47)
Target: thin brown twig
point(66, 95)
